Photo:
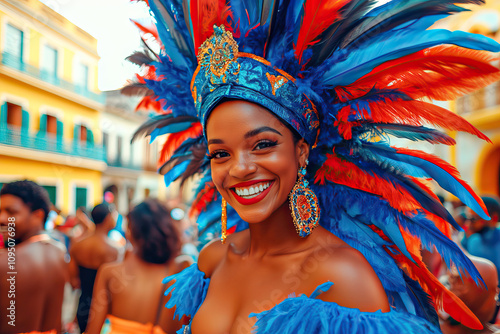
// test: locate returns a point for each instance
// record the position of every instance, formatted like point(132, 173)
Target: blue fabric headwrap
point(225, 73)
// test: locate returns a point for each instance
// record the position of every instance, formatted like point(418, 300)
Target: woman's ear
point(302, 149)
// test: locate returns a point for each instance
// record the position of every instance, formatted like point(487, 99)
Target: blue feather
point(348, 65)
point(175, 172)
point(441, 176)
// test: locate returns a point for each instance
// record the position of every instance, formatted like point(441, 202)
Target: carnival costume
point(344, 75)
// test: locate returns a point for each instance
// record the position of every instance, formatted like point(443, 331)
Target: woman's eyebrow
point(255, 132)
point(215, 141)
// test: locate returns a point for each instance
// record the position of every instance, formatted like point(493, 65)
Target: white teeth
point(252, 191)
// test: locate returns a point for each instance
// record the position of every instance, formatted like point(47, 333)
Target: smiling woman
point(284, 108)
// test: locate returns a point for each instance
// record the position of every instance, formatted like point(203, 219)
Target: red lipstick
point(253, 200)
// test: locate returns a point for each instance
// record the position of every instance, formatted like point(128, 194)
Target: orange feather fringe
point(439, 73)
point(174, 140)
point(340, 171)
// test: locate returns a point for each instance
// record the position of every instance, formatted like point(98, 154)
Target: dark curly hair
point(154, 231)
point(32, 194)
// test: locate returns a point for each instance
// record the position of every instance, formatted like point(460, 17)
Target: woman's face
point(254, 158)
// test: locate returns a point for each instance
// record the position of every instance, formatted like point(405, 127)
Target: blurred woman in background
point(128, 296)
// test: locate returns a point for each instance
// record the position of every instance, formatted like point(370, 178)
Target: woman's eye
point(217, 155)
point(265, 144)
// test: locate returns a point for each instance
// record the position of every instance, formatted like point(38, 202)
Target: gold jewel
point(276, 81)
point(223, 221)
point(219, 55)
point(304, 206)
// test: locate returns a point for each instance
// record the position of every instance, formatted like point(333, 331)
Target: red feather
point(147, 30)
point(174, 140)
point(204, 15)
point(442, 297)
point(445, 166)
point(207, 195)
point(439, 73)
point(318, 16)
point(149, 103)
point(340, 171)
point(419, 113)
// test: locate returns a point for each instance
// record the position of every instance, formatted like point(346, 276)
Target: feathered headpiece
point(345, 74)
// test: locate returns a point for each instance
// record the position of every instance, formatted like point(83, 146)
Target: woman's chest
point(237, 290)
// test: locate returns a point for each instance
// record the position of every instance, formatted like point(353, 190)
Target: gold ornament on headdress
point(220, 54)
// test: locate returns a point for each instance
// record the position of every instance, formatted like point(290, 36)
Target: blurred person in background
point(480, 300)
point(121, 287)
point(484, 237)
point(88, 254)
point(37, 273)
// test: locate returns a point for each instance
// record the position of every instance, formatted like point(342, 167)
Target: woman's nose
point(242, 166)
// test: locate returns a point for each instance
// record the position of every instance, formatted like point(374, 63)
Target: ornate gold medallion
point(218, 56)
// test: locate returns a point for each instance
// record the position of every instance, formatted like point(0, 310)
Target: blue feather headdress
point(344, 74)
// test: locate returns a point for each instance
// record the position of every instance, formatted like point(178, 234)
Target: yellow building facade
point(50, 104)
point(478, 160)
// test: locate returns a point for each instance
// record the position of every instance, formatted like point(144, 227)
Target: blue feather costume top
point(345, 75)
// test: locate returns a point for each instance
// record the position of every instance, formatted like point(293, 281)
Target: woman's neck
point(274, 236)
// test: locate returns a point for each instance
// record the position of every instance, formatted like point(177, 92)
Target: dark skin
point(41, 272)
point(93, 251)
point(260, 267)
point(481, 301)
point(120, 287)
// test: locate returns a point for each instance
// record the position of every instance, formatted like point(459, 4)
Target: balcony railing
point(17, 64)
point(47, 143)
point(128, 165)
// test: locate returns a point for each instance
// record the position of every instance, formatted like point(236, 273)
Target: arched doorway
point(489, 172)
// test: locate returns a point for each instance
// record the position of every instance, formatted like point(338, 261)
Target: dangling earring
point(304, 206)
point(223, 220)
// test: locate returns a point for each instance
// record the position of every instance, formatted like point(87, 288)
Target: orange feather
point(148, 103)
point(438, 73)
point(318, 16)
point(147, 30)
point(207, 195)
point(174, 140)
point(340, 171)
point(442, 297)
point(419, 113)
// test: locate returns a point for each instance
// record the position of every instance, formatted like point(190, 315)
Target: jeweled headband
point(225, 73)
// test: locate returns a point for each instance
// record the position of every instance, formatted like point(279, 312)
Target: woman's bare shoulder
point(355, 283)
point(215, 251)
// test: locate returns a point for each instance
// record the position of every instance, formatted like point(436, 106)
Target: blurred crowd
point(86, 273)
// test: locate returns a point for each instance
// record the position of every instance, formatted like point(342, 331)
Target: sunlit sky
point(109, 22)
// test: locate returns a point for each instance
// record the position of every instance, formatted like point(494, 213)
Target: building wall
point(68, 165)
point(64, 177)
point(478, 161)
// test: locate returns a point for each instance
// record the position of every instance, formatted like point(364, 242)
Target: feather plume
point(136, 89)
point(442, 297)
point(148, 103)
point(318, 16)
point(438, 73)
point(140, 58)
point(395, 107)
point(166, 122)
point(174, 140)
point(147, 30)
point(204, 15)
